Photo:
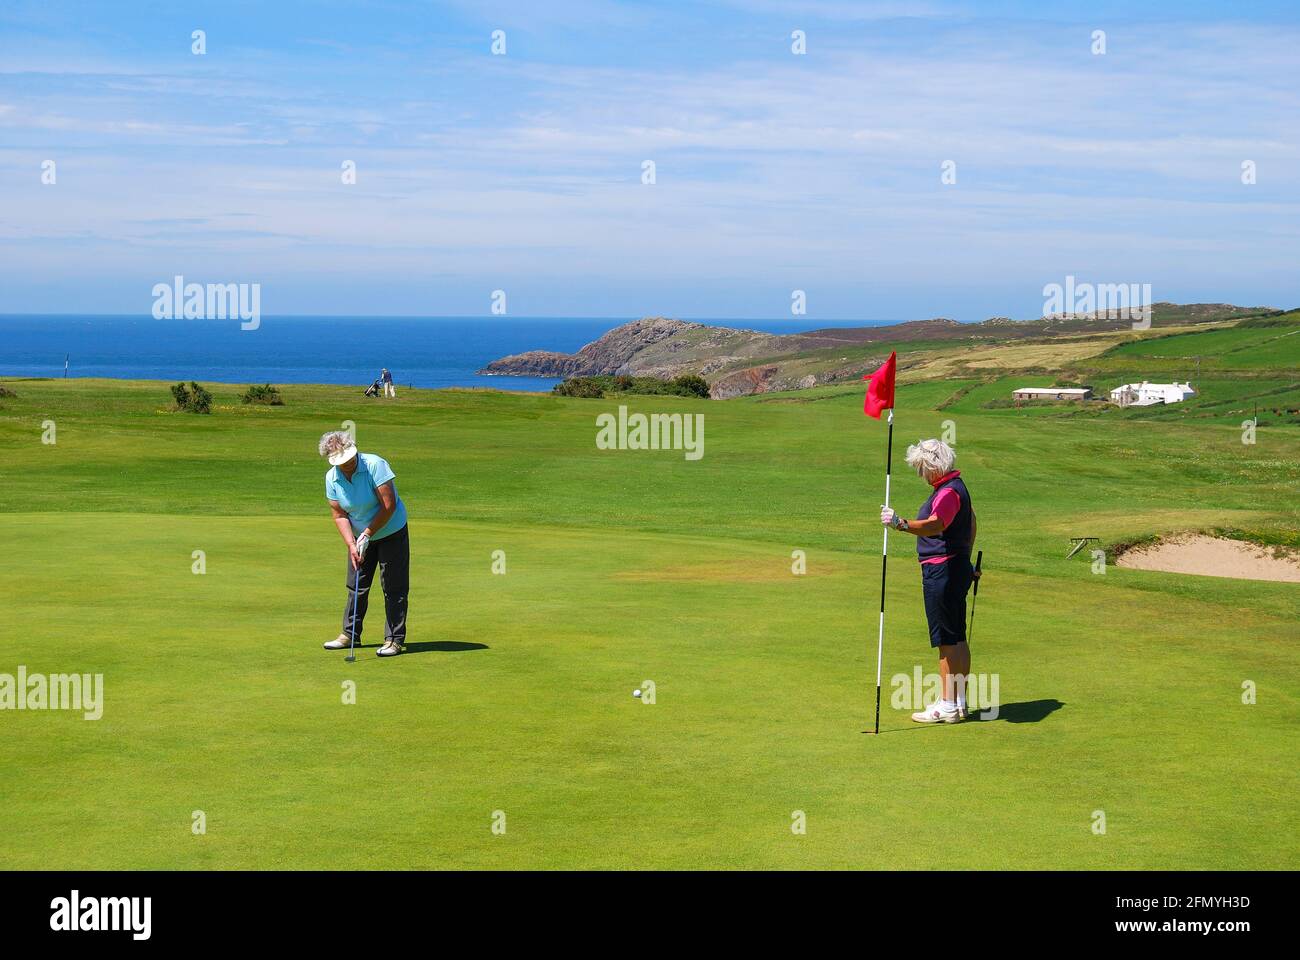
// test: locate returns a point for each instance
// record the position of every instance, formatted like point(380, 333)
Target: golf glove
point(363, 541)
point(889, 518)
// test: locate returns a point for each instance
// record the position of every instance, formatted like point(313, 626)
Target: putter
point(356, 589)
point(979, 558)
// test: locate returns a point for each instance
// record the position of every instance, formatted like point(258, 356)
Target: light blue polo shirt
point(359, 497)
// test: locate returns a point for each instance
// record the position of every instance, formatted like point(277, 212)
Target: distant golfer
point(386, 379)
point(371, 519)
point(945, 533)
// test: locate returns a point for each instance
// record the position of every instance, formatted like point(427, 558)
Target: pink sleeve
point(946, 505)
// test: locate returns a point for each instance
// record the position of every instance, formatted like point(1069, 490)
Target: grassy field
point(1268, 348)
point(1249, 349)
point(1120, 692)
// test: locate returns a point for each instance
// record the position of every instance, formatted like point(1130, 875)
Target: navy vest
point(958, 538)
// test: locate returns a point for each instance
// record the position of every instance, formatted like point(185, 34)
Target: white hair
point(931, 456)
point(334, 442)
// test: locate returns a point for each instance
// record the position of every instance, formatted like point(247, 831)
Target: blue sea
point(420, 351)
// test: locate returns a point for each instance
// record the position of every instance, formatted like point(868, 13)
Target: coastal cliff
point(741, 362)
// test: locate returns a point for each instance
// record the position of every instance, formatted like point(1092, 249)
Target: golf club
point(362, 543)
point(356, 588)
point(979, 558)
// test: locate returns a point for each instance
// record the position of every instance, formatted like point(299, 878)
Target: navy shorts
point(945, 586)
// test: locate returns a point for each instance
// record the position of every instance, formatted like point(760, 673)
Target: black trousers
point(392, 557)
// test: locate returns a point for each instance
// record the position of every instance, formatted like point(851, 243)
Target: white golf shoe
point(391, 648)
point(341, 642)
point(937, 713)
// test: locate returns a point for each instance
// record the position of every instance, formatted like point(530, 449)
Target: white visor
point(343, 456)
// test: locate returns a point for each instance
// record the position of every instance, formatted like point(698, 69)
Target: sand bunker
point(1213, 557)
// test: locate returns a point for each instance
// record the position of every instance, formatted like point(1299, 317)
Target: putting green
point(1120, 692)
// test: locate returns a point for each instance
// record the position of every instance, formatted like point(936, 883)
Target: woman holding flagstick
point(945, 533)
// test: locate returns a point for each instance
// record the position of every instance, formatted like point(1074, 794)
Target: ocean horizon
point(426, 352)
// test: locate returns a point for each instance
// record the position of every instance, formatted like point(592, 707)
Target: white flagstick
point(884, 559)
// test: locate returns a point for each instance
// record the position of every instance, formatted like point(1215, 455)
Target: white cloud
point(824, 167)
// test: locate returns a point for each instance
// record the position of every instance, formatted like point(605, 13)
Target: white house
point(1052, 393)
point(1144, 394)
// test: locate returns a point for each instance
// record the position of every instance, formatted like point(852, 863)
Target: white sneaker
point(391, 648)
point(937, 713)
point(341, 642)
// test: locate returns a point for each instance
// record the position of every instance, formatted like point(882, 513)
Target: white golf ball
point(636, 693)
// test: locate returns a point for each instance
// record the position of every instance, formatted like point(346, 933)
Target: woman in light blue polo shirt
point(371, 519)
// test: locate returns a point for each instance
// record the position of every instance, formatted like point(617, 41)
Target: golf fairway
point(1121, 692)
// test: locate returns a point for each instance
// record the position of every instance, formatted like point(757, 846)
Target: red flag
point(880, 391)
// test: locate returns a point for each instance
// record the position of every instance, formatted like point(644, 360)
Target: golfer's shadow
point(442, 646)
point(1030, 711)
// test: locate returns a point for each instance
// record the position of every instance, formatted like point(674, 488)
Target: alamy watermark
point(55, 691)
point(1098, 301)
point(213, 301)
point(918, 690)
point(76, 913)
point(655, 431)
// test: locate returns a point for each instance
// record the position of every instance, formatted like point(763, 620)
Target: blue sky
point(774, 172)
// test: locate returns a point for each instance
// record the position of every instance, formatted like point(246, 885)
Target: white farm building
point(1144, 394)
point(1052, 393)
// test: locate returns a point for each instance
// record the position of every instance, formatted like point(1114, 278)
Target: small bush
point(6, 392)
point(588, 388)
point(193, 399)
point(692, 385)
point(687, 385)
point(266, 394)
